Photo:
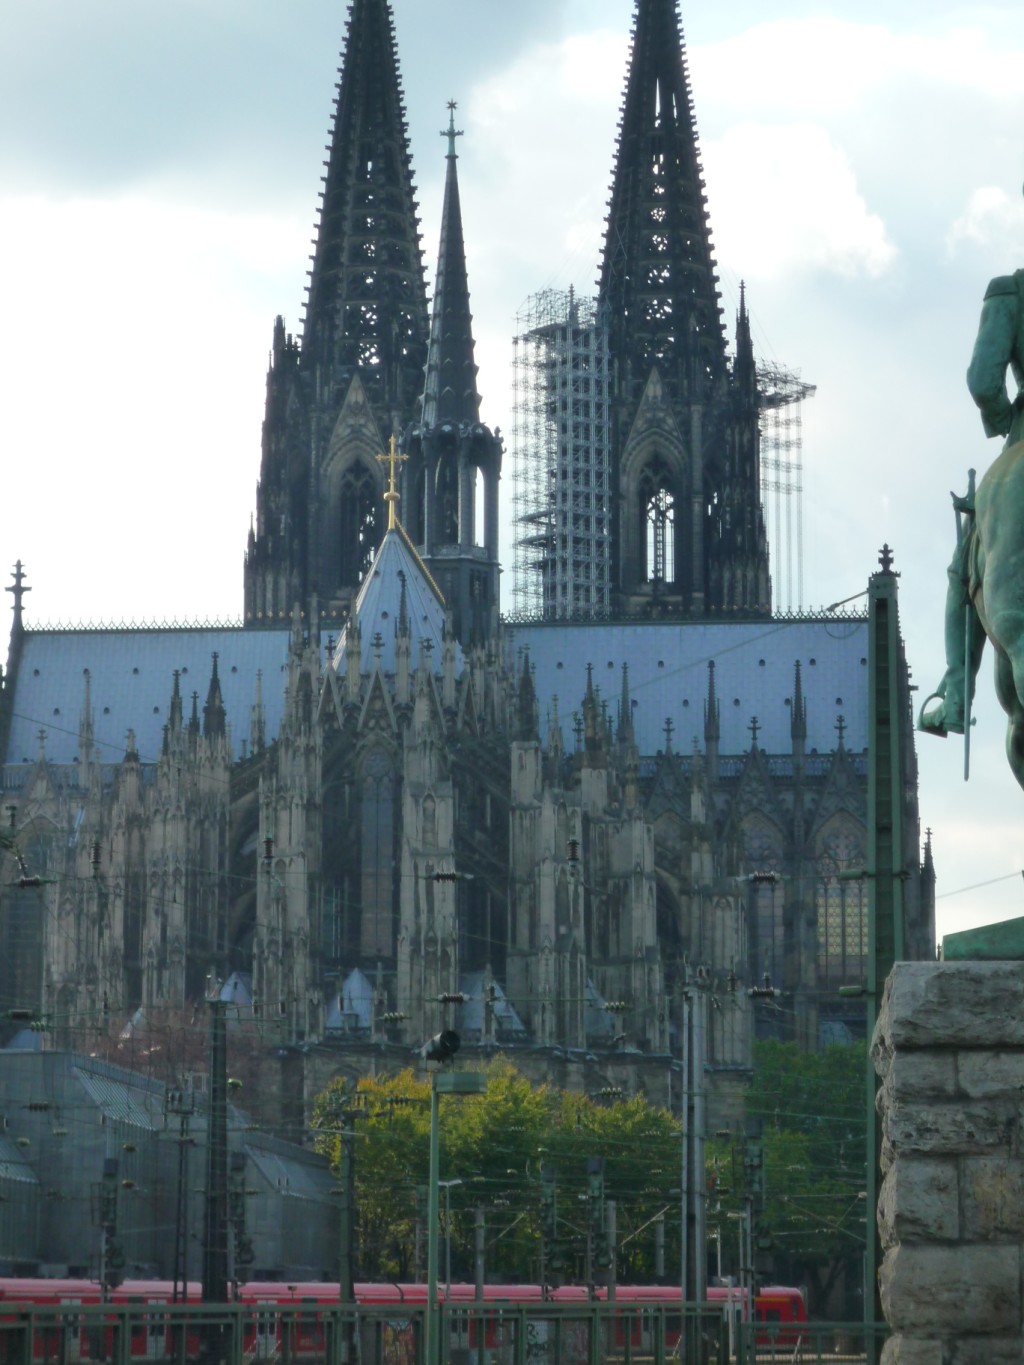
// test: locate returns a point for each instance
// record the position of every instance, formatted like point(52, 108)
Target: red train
point(286, 1319)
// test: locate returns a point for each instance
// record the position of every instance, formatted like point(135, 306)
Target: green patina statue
point(985, 597)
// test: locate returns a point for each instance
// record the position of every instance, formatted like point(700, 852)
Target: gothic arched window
point(447, 515)
point(377, 854)
point(658, 524)
point(842, 910)
point(360, 529)
point(766, 900)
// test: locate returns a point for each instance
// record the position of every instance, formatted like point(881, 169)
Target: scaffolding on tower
point(561, 462)
point(781, 394)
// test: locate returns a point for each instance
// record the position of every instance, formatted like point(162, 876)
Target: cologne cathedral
point(380, 806)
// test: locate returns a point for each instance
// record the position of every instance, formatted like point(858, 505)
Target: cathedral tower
point(687, 527)
point(335, 396)
point(450, 450)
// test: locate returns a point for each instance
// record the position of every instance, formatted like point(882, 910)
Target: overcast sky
point(158, 170)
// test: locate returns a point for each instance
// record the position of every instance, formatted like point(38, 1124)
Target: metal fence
point(393, 1334)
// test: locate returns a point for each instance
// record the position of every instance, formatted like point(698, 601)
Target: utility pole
point(479, 1245)
point(885, 871)
point(694, 1267)
point(346, 1218)
point(215, 1232)
point(180, 1104)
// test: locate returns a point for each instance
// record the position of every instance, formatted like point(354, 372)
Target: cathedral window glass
point(377, 854)
point(658, 509)
point(766, 936)
point(842, 910)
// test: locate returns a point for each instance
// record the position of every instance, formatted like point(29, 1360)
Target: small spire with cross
point(754, 727)
point(18, 589)
point(841, 729)
point(885, 559)
point(451, 132)
point(669, 728)
point(392, 496)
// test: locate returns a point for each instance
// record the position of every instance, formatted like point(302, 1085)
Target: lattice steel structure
point(561, 459)
point(781, 393)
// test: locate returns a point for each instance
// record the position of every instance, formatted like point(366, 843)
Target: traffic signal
point(442, 1047)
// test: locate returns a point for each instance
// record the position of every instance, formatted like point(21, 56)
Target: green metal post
point(215, 1238)
point(432, 1352)
point(885, 875)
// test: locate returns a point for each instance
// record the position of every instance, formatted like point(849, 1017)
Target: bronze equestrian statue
point(985, 597)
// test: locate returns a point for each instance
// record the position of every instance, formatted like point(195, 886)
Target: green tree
point(812, 1108)
point(496, 1145)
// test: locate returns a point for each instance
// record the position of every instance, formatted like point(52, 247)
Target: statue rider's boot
point(947, 718)
point(964, 641)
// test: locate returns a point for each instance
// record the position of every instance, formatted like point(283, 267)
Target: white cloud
point(786, 198)
point(141, 400)
point(991, 219)
point(825, 64)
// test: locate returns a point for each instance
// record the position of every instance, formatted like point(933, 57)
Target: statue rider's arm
point(993, 350)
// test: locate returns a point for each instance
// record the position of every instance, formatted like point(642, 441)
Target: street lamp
point(440, 1050)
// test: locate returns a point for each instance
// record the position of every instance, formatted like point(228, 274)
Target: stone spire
point(712, 725)
point(658, 278)
point(798, 712)
point(450, 450)
point(624, 732)
point(526, 703)
point(86, 726)
point(214, 715)
point(366, 308)
point(258, 719)
point(356, 376)
point(450, 393)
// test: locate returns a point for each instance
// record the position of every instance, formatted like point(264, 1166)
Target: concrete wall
point(949, 1049)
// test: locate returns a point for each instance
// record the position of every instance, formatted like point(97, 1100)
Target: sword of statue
point(962, 529)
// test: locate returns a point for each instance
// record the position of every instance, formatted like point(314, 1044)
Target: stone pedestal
point(949, 1049)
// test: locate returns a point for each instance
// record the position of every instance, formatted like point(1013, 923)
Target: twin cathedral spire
point(686, 529)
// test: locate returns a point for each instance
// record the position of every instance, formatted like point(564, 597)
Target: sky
point(158, 170)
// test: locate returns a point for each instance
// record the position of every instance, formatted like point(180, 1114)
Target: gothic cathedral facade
point(392, 795)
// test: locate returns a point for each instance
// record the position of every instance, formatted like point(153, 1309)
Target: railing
point(493, 1333)
point(809, 1343)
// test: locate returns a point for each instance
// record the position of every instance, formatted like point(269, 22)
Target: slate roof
point(378, 606)
point(668, 677)
point(131, 675)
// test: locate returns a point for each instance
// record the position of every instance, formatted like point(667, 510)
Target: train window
point(771, 1315)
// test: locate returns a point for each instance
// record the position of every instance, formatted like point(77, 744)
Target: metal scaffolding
point(781, 392)
point(561, 459)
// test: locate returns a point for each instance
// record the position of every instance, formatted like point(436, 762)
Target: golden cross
point(392, 496)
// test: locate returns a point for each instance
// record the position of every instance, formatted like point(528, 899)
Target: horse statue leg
point(1009, 700)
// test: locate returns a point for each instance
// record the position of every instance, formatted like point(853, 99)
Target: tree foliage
point(811, 1220)
point(811, 1107)
point(495, 1145)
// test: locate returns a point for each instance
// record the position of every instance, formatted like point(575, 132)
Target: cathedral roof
point(131, 680)
point(668, 678)
point(397, 594)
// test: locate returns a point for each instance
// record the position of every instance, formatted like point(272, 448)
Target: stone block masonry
point(949, 1051)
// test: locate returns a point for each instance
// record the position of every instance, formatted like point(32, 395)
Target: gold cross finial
point(392, 496)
